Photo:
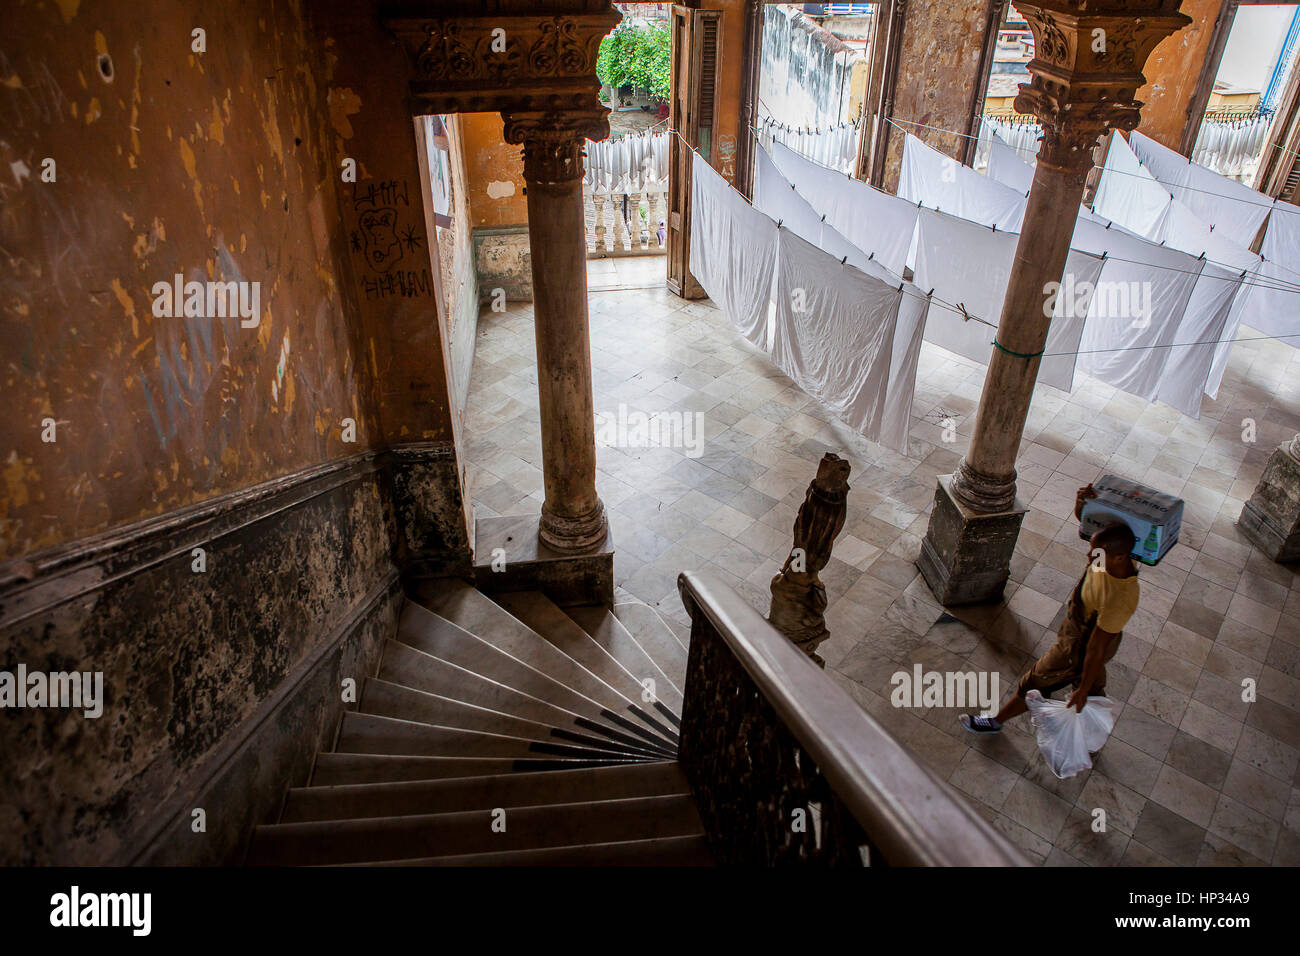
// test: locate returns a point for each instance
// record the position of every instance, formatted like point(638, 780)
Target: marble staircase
point(504, 731)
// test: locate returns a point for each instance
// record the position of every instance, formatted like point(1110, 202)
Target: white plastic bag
point(1067, 737)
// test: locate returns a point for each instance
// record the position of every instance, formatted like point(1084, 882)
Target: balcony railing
point(626, 222)
point(769, 742)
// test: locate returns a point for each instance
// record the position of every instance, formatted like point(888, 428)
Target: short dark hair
point(1116, 539)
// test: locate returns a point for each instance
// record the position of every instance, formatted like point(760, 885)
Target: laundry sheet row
point(848, 333)
point(627, 163)
point(1210, 220)
point(1148, 319)
point(836, 147)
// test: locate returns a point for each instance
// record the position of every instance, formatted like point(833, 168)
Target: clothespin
point(930, 293)
point(844, 260)
point(778, 223)
point(995, 227)
point(872, 256)
point(823, 218)
point(900, 287)
point(1109, 223)
point(965, 316)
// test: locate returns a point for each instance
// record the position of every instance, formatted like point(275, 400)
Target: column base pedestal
point(509, 556)
point(966, 555)
point(1271, 518)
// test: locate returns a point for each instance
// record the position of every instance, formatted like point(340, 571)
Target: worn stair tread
point(338, 769)
point(635, 615)
point(546, 618)
point(372, 734)
point(385, 699)
point(657, 647)
point(489, 641)
point(416, 797)
point(443, 834)
point(663, 851)
point(410, 667)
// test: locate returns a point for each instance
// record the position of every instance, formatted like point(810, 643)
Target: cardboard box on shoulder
point(1154, 516)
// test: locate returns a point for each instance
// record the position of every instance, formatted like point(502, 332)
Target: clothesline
point(958, 309)
point(1023, 149)
point(1277, 285)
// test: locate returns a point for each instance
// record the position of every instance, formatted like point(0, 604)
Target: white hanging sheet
point(733, 251)
point(877, 223)
point(1282, 238)
point(776, 198)
point(970, 265)
point(1272, 302)
point(835, 330)
point(940, 182)
point(1186, 375)
point(1137, 308)
point(1006, 165)
point(1189, 233)
point(1231, 208)
point(1129, 195)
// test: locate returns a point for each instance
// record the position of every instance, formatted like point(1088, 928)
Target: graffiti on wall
point(389, 241)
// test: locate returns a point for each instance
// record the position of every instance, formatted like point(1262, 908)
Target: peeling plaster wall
point(460, 286)
point(806, 71)
point(217, 165)
point(937, 75)
point(183, 432)
point(731, 60)
point(1172, 72)
point(494, 171)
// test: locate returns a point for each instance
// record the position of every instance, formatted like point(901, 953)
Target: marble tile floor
point(1192, 774)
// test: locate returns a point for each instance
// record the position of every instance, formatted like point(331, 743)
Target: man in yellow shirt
point(1101, 604)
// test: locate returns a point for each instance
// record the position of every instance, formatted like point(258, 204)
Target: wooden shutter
point(696, 35)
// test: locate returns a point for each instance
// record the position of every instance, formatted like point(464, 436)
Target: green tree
point(637, 56)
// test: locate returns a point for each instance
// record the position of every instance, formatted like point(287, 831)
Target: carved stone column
point(1087, 67)
point(1271, 518)
point(573, 517)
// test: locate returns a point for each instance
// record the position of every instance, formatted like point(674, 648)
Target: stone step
point(403, 664)
point(625, 602)
point(658, 636)
point(336, 769)
point(666, 851)
point(543, 616)
point(472, 832)
point(370, 734)
point(360, 801)
point(385, 699)
point(610, 633)
point(477, 614)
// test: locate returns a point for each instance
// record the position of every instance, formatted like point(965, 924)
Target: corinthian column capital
point(553, 140)
point(1087, 69)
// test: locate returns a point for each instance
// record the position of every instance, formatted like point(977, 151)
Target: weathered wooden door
point(695, 41)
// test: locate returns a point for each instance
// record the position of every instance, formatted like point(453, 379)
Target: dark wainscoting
point(220, 686)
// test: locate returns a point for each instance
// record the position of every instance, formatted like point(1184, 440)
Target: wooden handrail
point(910, 815)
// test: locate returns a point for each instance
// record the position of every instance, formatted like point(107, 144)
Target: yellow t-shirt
point(1115, 599)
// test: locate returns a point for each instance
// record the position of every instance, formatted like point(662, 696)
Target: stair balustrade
point(787, 769)
point(614, 223)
